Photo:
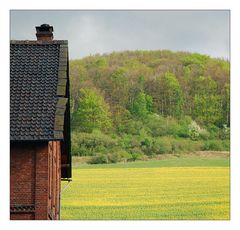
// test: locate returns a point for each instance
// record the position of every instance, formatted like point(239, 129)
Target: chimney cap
point(44, 28)
point(44, 32)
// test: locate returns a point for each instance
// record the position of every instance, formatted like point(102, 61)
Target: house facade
point(39, 125)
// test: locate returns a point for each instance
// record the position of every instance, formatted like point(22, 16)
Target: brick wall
point(35, 180)
point(41, 182)
point(22, 216)
point(22, 174)
point(54, 179)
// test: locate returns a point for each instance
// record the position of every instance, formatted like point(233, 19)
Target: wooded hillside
point(135, 101)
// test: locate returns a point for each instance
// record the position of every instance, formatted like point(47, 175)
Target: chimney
point(44, 32)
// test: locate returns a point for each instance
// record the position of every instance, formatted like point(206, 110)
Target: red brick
point(35, 176)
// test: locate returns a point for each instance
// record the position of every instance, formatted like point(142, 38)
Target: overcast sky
point(91, 32)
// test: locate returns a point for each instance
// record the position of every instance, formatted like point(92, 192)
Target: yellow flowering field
point(161, 193)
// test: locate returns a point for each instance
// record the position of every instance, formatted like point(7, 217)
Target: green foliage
point(122, 76)
point(183, 130)
point(142, 105)
point(186, 145)
point(92, 113)
point(167, 95)
point(135, 156)
point(196, 59)
point(101, 63)
point(124, 155)
point(119, 76)
point(146, 142)
point(204, 85)
point(130, 105)
point(161, 126)
point(131, 126)
point(226, 105)
point(98, 159)
point(216, 145)
point(195, 63)
point(167, 145)
point(206, 109)
point(207, 103)
point(204, 134)
point(162, 145)
point(149, 103)
point(225, 133)
point(126, 142)
point(214, 131)
point(113, 157)
point(89, 144)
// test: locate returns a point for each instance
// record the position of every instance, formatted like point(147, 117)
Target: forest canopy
point(133, 104)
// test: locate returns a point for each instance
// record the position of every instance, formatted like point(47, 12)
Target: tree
point(116, 87)
point(169, 96)
point(175, 81)
point(196, 62)
point(226, 104)
point(206, 109)
point(93, 112)
point(78, 75)
point(207, 102)
point(142, 105)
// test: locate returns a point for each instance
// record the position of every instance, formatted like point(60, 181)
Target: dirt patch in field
point(211, 154)
point(199, 154)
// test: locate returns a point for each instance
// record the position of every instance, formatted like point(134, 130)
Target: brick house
point(39, 125)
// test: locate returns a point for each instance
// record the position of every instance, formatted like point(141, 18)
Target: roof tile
point(34, 78)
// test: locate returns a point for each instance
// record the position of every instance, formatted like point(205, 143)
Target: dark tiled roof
point(38, 80)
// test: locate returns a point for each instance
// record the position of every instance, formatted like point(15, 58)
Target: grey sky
point(91, 32)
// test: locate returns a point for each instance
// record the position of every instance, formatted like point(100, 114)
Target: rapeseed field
point(151, 191)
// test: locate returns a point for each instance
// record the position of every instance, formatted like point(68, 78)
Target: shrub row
point(158, 126)
point(115, 157)
point(108, 149)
